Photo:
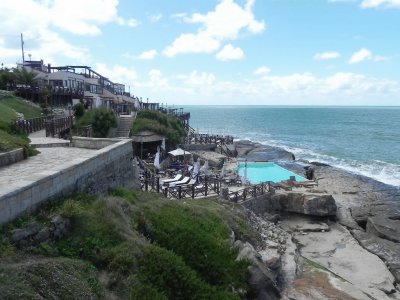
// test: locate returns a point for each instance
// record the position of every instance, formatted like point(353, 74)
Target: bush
point(200, 237)
point(165, 275)
point(79, 110)
point(101, 120)
point(169, 126)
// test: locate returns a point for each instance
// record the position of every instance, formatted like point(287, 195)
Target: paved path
point(39, 139)
point(49, 161)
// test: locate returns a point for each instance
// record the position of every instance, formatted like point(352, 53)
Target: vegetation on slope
point(9, 140)
point(154, 121)
point(135, 246)
point(101, 119)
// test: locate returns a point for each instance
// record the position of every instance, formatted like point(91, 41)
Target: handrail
point(250, 192)
point(31, 125)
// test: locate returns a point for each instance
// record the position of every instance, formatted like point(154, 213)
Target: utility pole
point(22, 47)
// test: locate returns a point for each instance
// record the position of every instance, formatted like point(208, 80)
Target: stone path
point(39, 140)
point(46, 163)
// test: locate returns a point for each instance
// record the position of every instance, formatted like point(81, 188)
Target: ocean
point(363, 140)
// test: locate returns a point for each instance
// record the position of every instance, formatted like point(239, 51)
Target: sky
point(222, 52)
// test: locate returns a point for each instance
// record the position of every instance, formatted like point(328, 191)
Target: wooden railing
point(30, 125)
point(85, 131)
point(58, 126)
point(250, 192)
point(198, 138)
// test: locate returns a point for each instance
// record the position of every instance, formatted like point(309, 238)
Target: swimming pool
point(266, 171)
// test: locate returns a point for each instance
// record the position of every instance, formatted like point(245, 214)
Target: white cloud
point(192, 43)
point(361, 55)
point(225, 22)
point(380, 3)
point(365, 54)
point(229, 52)
point(156, 18)
point(262, 70)
point(37, 20)
point(326, 55)
point(118, 74)
point(200, 79)
point(147, 55)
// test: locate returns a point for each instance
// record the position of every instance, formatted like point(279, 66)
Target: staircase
point(124, 125)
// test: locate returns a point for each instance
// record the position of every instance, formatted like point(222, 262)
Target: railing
point(85, 131)
point(30, 125)
point(198, 138)
point(250, 192)
point(58, 126)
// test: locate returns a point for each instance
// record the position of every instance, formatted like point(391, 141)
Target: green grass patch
point(129, 195)
point(200, 237)
point(19, 105)
point(166, 125)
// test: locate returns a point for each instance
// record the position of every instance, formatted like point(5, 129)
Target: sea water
point(363, 140)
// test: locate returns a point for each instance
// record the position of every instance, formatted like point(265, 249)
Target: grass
point(9, 140)
point(145, 247)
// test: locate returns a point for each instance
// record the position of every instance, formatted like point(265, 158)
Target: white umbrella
point(204, 168)
point(163, 144)
point(223, 171)
point(179, 152)
point(196, 169)
point(157, 161)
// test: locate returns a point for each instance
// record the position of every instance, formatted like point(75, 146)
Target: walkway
point(46, 163)
point(39, 140)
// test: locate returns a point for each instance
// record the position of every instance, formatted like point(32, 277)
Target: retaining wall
point(108, 167)
point(93, 143)
point(11, 157)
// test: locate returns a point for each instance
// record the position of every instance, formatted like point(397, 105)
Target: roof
point(147, 137)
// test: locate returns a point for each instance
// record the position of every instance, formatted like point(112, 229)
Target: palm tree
point(25, 77)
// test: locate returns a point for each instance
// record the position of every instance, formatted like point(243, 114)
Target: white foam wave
point(382, 171)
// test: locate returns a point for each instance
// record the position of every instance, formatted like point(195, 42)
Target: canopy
point(179, 152)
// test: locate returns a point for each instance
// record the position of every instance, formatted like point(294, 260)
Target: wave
point(382, 171)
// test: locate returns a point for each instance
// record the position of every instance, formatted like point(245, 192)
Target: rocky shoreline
point(355, 255)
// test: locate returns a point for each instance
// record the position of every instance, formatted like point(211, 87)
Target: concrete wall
point(108, 167)
point(11, 157)
point(98, 143)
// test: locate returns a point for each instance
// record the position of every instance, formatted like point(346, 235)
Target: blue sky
point(293, 52)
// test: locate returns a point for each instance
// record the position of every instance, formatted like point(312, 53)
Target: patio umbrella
point(204, 168)
point(179, 152)
point(163, 144)
point(196, 169)
point(157, 160)
point(223, 171)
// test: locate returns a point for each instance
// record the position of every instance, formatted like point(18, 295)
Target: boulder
point(262, 280)
point(384, 227)
point(388, 251)
point(305, 203)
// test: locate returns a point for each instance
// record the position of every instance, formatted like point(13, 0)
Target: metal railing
point(250, 192)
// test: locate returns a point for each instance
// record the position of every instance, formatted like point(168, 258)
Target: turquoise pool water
point(266, 171)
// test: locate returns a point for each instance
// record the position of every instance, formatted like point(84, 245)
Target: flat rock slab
point(387, 250)
point(385, 227)
point(340, 253)
point(258, 152)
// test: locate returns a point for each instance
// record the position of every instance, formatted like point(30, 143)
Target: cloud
point(155, 18)
point(365, 54)
point(326, 55)
point(380, 3)
point(197, 78)
point(225, 22)
point(361, 55)
point(37, 20)
point(118, 74)
point(147, 55)
point(262, 70)
point(229, 52)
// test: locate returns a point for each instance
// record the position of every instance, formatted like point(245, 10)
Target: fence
point(58, 126)
point(30, 125)
point(198, 138)
point(250, 192)
point(85, 131)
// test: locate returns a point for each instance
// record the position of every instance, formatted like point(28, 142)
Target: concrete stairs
point(124, 125)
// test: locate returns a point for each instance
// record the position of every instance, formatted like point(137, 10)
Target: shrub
point(165, 275)
point(169, 126)
point(200, 237)
point(79, 110)
point(101, 120)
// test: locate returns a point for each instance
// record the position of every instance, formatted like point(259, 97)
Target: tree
point(25, 77)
